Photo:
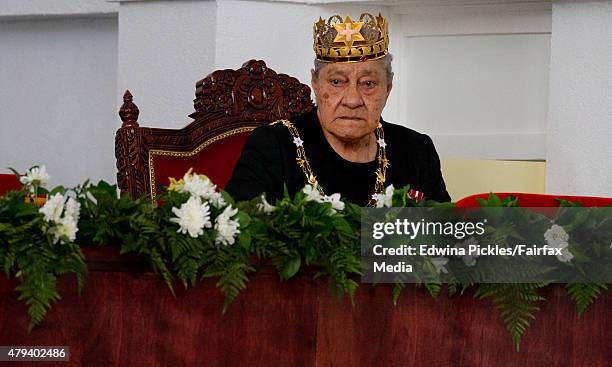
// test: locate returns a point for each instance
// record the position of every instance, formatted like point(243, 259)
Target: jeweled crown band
point(353, 58)
point(346, 40)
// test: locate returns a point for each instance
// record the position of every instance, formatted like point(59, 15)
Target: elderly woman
point(343, 146)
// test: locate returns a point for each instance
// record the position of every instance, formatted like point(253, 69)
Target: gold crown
point(349, 41)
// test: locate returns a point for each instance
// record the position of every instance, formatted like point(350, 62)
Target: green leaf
point(57, 190)
point(106, 187)
point(433, 289)
point(397, 290)
point(244, 238)
point(584, 294)
point(516, 303)
point(15, 172)
point(494, 200)
point(567, 203)
point(243, 218)
point(290, 267)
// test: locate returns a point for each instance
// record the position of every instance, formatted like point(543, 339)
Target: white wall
point(66, 76)
point(280, 34)
point(475, 78)
point(23, 9)
point(58, 97)
point(580, 116)
point(165, 47)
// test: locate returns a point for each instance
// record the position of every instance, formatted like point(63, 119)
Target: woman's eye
point(369, 83)
point(335, 82)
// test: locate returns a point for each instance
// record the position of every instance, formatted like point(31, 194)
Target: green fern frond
point(433, 289)
point(516, 303)
point(232, 281)
point(159, 265)
point(38, 291)
point(397, 291)
point(584, 294)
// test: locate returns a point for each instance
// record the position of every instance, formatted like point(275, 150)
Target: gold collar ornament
point(346, 40)
point(311, 178)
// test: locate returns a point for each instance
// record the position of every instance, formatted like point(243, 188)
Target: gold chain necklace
point(302, 160)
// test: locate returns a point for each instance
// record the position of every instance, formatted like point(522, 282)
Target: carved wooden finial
point(129, 111)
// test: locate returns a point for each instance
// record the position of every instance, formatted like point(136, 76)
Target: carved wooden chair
point(228, 104)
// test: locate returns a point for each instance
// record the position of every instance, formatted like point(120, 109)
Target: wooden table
point(126, 316)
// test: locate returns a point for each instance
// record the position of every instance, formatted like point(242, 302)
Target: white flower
point(381, 142)
point(566, 254)
point(192, 217)
point(439, 263)
point(52, 210)
point(264, 206)
point(72, 210)
point(198, 185)
point(556, 235)
point(298, 142)
point(335, 201)
point(67, 227)
point(36, 176)
point(227, 228)
point(468, 260)
point(384, 200)
point(312, 194)
point(216, 199)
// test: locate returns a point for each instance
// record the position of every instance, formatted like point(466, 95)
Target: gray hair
point(318, 65)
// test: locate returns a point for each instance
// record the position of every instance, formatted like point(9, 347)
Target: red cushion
point(8, 183)
point(216, 161)
point(537, 200)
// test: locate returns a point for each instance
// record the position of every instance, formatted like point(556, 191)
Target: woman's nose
point(351, 97)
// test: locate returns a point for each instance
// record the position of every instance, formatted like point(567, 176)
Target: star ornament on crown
point(346, 40)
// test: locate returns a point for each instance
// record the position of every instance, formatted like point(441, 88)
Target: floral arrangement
point(37, 244)
point(200, 232)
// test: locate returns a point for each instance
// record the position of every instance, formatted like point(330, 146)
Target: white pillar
point(165, 47)
point(579, 140)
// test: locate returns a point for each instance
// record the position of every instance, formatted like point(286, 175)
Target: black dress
point(268, 163)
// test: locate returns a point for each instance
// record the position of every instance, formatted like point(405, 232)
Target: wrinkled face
point(351, 97)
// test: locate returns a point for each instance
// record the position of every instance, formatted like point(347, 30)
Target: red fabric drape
point(536, 200)
point(8, 183)
point(127, 317)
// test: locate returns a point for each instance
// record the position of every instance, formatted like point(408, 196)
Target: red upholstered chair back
point(537, 200)
point(8, 183)
point(228, 105)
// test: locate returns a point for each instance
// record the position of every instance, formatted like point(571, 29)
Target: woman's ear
point(389, 87)
point(314, 82)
